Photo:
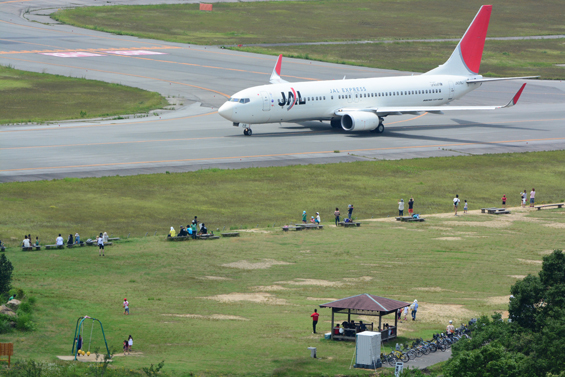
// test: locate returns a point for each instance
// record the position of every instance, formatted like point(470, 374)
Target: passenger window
point(324, 98)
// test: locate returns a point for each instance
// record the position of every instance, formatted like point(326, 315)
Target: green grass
point(308, 21)
point(38, 97)
point(452, 279)
point(500, 58)
point(264, 196)
point(312, 21)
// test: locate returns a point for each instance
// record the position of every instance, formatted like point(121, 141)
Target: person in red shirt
point(504, 201)
point(314, 316)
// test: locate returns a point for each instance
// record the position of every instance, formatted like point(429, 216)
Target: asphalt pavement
point(196, 137)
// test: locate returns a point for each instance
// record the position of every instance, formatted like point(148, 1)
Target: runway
point(196, 137)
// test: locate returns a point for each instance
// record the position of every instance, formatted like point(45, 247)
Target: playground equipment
point(79, 329)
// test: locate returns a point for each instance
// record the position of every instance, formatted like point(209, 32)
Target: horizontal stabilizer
point(501, 79)
point(276, 75)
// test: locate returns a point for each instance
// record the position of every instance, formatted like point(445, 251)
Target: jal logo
point(294, 98)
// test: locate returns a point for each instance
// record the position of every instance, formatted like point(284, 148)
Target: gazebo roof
point(366, 302)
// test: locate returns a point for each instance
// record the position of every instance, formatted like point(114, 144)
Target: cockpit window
point(234, 99)
point(244, 100)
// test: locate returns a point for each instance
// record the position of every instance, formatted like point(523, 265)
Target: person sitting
point(193, 227)
point(77, 239)
point(25, 242)
point(183, 232)
point(70, 241)
point(172, 233)
point(203, 229)
point(60, 241)
point(37, 241)
point(312, 220)
point(362, 326)
point(338, 330)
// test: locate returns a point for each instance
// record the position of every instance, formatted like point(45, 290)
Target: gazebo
point(370, 305)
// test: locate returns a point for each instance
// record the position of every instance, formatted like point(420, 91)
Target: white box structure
point(368, 350)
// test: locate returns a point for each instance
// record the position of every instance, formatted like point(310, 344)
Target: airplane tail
point(466, 59)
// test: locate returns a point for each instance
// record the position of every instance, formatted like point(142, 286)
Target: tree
point(6, 269)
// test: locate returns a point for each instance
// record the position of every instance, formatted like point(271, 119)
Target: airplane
point(362, 104)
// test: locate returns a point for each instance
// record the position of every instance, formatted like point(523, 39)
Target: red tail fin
point(473, 41)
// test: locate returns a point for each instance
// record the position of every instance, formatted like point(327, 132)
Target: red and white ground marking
point(134, 52)
point(74, 54)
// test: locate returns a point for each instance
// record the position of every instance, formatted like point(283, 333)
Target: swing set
point(79, 330)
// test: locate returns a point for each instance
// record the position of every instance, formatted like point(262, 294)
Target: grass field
point(37, 97)
point(241, 306)
point(500, 58)
point(264, 196)
point(311, 21)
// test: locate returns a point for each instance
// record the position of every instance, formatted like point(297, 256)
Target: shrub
point(6, 269)
point(5, 326)
point(25, 307)
point(24, 322)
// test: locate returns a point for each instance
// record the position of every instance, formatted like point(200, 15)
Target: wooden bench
point(7, 349)
point(54, 247)
point(93, 243)
point(418, 220)
point(31, 248)
point(114, 239)
point(230, 234)
point(179, 238)
point(485, 210)
point(403, 218)
point(495, 211)
point(348, 224)
point(207, 237)
point(310, 226)
point(296, 228)
point(70, 245)
point(558, 205)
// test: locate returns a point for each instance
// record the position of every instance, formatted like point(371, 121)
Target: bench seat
point(230, 234)
point(558, 205)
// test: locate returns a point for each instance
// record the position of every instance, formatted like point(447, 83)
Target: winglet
point(516, 97)
point(276, 75)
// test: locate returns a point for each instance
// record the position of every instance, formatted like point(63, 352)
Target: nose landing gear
point(248, 131)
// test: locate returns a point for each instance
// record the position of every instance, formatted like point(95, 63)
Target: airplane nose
point(226, 110)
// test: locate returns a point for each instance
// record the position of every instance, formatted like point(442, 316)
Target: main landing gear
point(381, 127)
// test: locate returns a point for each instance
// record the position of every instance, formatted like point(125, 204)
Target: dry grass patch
point(431, 289)
point(245, 265)
point(214, 278)
point(449, 238)
point(556, 225)
point(442, 313)
point(530, 261)
point(498, 300)
point(516, 276)
point(259, 297)
point(210, 317)
point(324, 299)
point(360, 279)
point(269, 288)
point(316, 282)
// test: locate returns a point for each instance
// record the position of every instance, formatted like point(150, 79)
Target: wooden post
point(332, 330)
point(380, 318)
point(396, 324)
point(348, 315)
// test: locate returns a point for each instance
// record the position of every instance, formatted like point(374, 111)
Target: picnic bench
point(207, 237)
point(36, 247)
point(7, 349)
point(179, 238)
point(495, 211)
point(410, 219)
point(93, 243)
point(348, 224)
point(558, 205)
point(295, 228)
point(113, 239)
point(310, 226)
point(54, 247)
point(80, 244)
point(230, 234)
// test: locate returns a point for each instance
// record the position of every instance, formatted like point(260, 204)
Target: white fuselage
point(319, 100)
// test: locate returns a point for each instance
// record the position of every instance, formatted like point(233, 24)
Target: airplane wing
point(500, 79)
point(415, 110)
point(276, 75)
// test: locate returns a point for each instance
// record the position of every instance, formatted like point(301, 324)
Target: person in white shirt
point(401, 207)
point(318, 220)
point(105, 237)
point(100, 243)
point(26, 242)
point(456, 202)
point(60, 241)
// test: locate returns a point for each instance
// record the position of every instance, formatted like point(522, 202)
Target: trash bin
point(312, 351)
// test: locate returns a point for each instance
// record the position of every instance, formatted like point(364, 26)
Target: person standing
point(456, 202)
point(60, 241)
point(350, 211)
point(126, 307)
point(406, 313)
point(37, 241)
point(304, 217)
point(130, 344)
point(336, 214)
point(450, 330)
point(314, 316)
point(105, 237)
point(522, 197)
point(193, 226)
point(504, 201)
point(318, 220)
point(532, 197)
point(411, 206)
point(466, 207)
point(414, 308)
point(100, 242)
point(401, 207)
point(77, 238)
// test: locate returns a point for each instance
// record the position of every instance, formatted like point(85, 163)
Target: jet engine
point(359, 121)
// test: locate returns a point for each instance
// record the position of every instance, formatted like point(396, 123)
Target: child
point(130, 344)
point(405, 313)
point(318, 218)
point(304, 217)
point(504, 201)
point(125, 346)
point(312, 219)
point(126, 306)
point(465, 208)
